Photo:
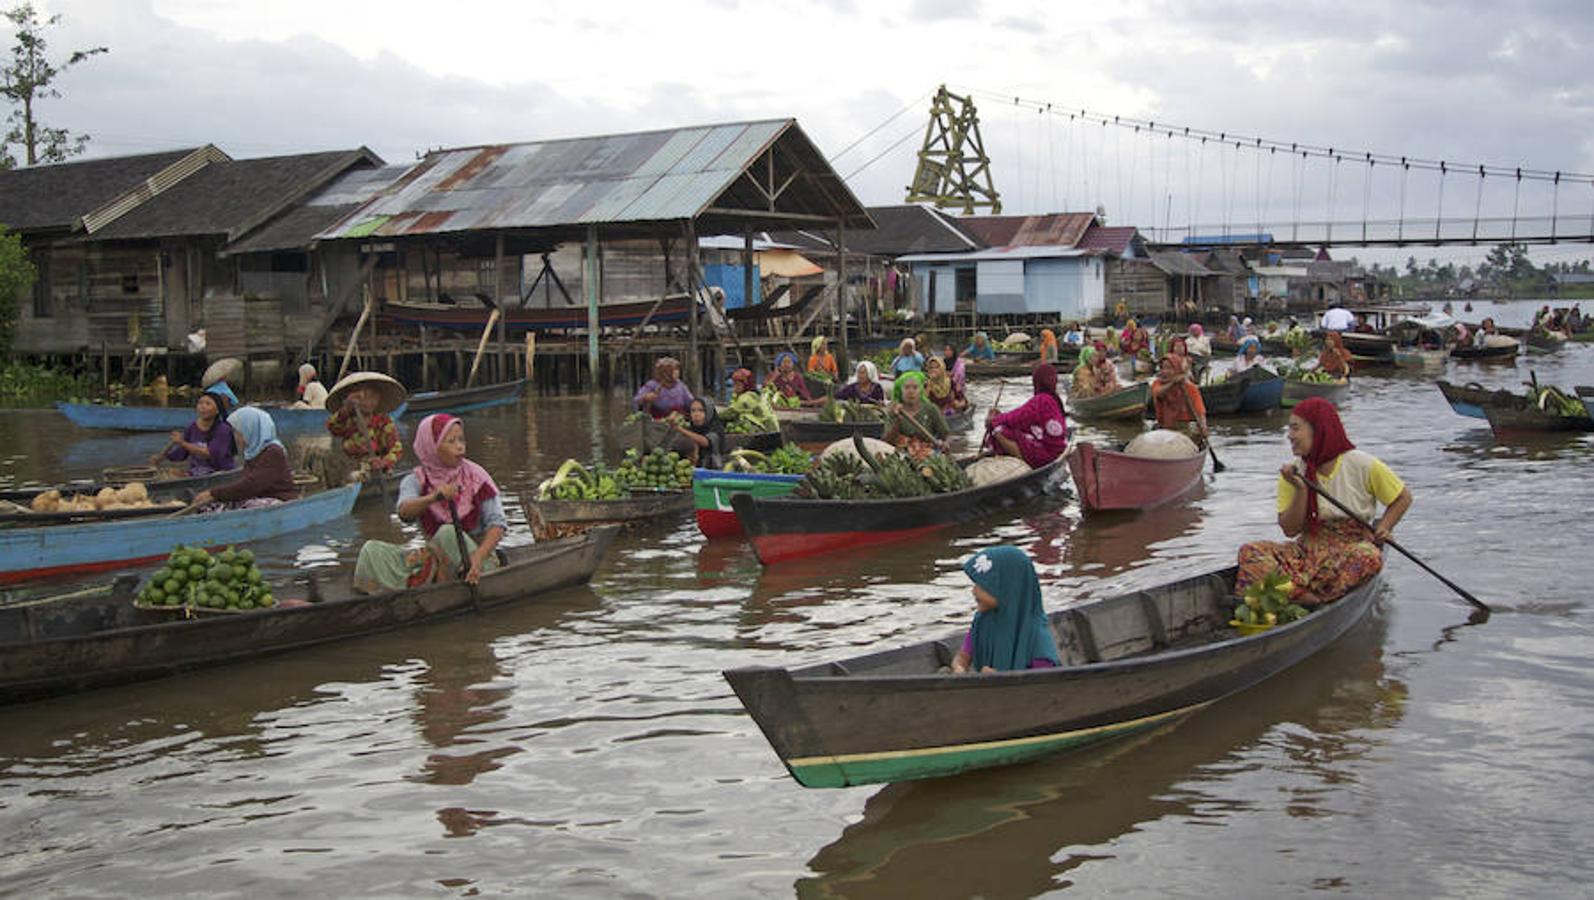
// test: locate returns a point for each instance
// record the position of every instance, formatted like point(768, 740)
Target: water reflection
point(1110, 543)
point(1023, 829)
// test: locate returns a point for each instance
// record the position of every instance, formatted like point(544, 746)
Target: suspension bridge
point(1194, 187)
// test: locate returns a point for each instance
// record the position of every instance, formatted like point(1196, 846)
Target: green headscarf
point(1086, 354)
point(904, 378)
point(1016, 632)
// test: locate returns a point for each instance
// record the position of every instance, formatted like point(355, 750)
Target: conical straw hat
point(392, 393)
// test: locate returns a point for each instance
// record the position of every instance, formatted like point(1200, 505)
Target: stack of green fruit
point(1297, 340)
point(778, 400)
point(574, 481)
point(848, 411)
point(192, 577)
point(749, 414)
point(1554, 402)
point(660, 470)
point(788, 459)
point(1267, 602)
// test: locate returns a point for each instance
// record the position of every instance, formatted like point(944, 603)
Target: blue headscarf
point(1016, 632)
point(221, 388)
point(785, 353)
point(256, 428)
point(1250, 339)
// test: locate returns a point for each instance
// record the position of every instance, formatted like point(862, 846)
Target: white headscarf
point(867, 366)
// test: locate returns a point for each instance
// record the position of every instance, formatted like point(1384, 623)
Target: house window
point(43, 308)
point(130, 283)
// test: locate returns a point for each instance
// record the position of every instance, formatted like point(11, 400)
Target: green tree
point(16, 277)
point(27, 78)
point(1509, 261)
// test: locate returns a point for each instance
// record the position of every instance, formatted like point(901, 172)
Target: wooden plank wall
point(1138, 283)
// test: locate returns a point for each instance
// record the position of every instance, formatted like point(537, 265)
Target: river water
point(584, 744)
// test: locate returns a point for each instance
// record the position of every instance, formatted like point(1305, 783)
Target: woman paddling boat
point(1037, 431)
point(915, 423)
point(207, 442)
point(361, 403)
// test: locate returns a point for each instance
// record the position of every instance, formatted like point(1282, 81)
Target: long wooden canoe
point(1223, 398)
point(785, 528)
point(1128, 403)
point(466, 399)
point(1470, 399)
point(1000, 368)
point(1485, 354)
point(60, 646)
point(1111, 479)
point(635, 508)
point(807, 429)
point(1525, 417)
point(99, 546)
point(176, 418)
point(761, 441)
point(1264, 390)
point(712, 492)
point(1295, 391)
point(1131, 662)
point(519, 321)
point(159, 488)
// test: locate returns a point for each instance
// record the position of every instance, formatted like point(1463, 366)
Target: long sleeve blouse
point(218, 443)
point(267, 475)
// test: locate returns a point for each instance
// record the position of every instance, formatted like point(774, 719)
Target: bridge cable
point(1367, 193)
point(871, 132)
point(1477, 207)
point(1333, 193)
point(1051, 152)
point(1516, 200)
point(1555, 205)
point(1167, 187)
point(1439, 211)
point(1400, 226)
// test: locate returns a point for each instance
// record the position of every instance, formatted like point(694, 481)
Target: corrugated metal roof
point(643, 177)
point(1108, 239)
point(1051, 230)
point(1173, 262)
point(1030, 252)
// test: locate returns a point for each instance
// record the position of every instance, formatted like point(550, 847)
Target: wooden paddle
point(1217, 465)
point(1481, 606)
point(996, 406)
point(183, 512)
point(464, 557)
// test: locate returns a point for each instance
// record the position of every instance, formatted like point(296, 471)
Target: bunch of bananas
point(848, 411)
point(1267, 602)
point(1554, 402)
point(573, 481)
point(788, 459)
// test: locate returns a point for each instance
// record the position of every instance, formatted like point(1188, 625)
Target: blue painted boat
point(1470, 399)
point(1264, 390)
point(466, 399)
point(169, 418)
point(27, 553)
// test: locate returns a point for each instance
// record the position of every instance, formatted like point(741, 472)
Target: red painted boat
point(1111, 479)
point(518, 321)
point(783, 528)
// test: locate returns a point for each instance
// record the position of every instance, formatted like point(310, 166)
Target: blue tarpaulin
point(729, 278)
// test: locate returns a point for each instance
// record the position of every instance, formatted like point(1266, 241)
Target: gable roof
point(724, 175)
point(1051, 230)
point(1115, 239)
point(296, 228)
point(57, 197)
point(911, 228)
point(232, 197)
point(1184, 265)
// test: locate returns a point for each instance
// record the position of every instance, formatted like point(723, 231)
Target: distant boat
point(176, 418)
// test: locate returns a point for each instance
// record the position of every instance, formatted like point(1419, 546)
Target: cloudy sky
point(1469, 82)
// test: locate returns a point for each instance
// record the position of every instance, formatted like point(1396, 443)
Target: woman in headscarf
point(1329, 553)
point(664, 393)
point(1134, 339)
point(1104, 370)
point(749, 409)
point(914, 423)
point(820, 360)
point(743, 381)
point(1180, 351)
point(1036, 432)
point(864, 386)
point(1236, 330)
point(980, 349)
point(908, 359)
point(1176, 398)
point(1335, 359)
point(267, 478)
point(941, 389)
point(702, 435)
point(207, 442)
point(444, 489)
point(1010, 632)
point(1049, 350)
point(1250, 356)
point(789, 381)
point(312, 393)
point(1083, 386)
point(1198, 343)
point(954, 367)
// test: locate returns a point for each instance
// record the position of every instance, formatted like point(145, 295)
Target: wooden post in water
point(354, 337)
point(693, 374)
point(493, 318)
point(841, 287)
point(498, 302)
point(590, 277)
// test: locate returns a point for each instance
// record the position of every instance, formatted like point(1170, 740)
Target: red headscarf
point(743, 380)
point(1328, 442)
point(1044, 379)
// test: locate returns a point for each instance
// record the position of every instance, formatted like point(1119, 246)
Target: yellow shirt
point(1357, 479)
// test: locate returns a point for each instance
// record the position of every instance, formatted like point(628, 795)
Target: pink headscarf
point(475, 485)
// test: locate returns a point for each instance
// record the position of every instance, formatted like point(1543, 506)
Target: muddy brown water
point(585, 744)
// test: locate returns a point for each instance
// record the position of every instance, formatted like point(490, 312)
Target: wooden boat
point(1544, 340)
point(819, 387)
point(1108, 478)
point(1223, 398)
point(784, 528)
point(1469, 400)
point(96, 547)
point(466, 399)
point(1264, 390)
point(1586, 394)
point(1001, 368)
point(1523, 416)
point(761, 441)
point(1418, 358)
point(1485, 354)
point(638, 507)
point(1270, 346)
point(519, 321)
point(159, 488)
point(64, 645)
point(1131, 662)
point(1128, 403)
point(1295, 391)
point(807, 429)
point(712, 492)
point(176, 418)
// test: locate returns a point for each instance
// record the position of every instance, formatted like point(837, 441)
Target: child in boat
point(702, 436)
point(361, 403)
point(445, 488)
point(1329, 553)
point(1010, 631)
point(1036, 432)
point(267, 478)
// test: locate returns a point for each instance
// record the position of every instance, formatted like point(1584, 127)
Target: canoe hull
point(1262, 394)
point(787, 528)
point(1528, 419)
point(1129, 403)
point(27, 553)
point(1223, 399)
point(1470, 399)
point(1485, 354)
point(594, 512)
point(805, 430)
point(87, 645)
point(712, 492)
point(1107, 479)
point(176, 418)
point(159, 489)
point(465, 399)
point(1296, 391)
point(1130, 663)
